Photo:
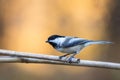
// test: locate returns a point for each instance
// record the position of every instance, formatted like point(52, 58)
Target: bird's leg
point(70, 59)
point(63, 56)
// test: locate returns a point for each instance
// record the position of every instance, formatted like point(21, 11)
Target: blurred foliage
point(26, 24)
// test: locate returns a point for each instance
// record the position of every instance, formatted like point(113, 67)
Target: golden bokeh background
point(25, 25)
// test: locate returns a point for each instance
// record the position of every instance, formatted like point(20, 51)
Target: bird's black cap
point(52, 37)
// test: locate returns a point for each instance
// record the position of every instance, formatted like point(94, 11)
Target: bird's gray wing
point(70, 42)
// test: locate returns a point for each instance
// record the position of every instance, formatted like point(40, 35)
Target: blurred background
point(25, 25)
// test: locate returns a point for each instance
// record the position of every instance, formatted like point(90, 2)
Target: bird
point(71, 45)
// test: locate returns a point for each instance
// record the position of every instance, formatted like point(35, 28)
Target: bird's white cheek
point(59, 40)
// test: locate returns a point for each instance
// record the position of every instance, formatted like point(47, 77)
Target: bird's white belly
point(75, 49)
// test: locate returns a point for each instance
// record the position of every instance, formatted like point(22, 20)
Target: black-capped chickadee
point(71, 45)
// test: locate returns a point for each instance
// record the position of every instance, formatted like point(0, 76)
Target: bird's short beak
point(46, 41)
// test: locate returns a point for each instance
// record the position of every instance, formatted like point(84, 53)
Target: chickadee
point(71, 45)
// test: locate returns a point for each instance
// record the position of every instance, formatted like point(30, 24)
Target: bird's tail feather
point(98, 42)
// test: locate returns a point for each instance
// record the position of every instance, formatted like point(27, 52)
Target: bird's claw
point(78, 60)
point(60, 57)
point(70, 60)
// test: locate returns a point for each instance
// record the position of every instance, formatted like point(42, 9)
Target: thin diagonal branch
point(10, 59)
point(22, 57)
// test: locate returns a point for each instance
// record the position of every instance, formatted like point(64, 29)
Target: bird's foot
point(78, 61)
point(60, 57)
point(69, 60)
